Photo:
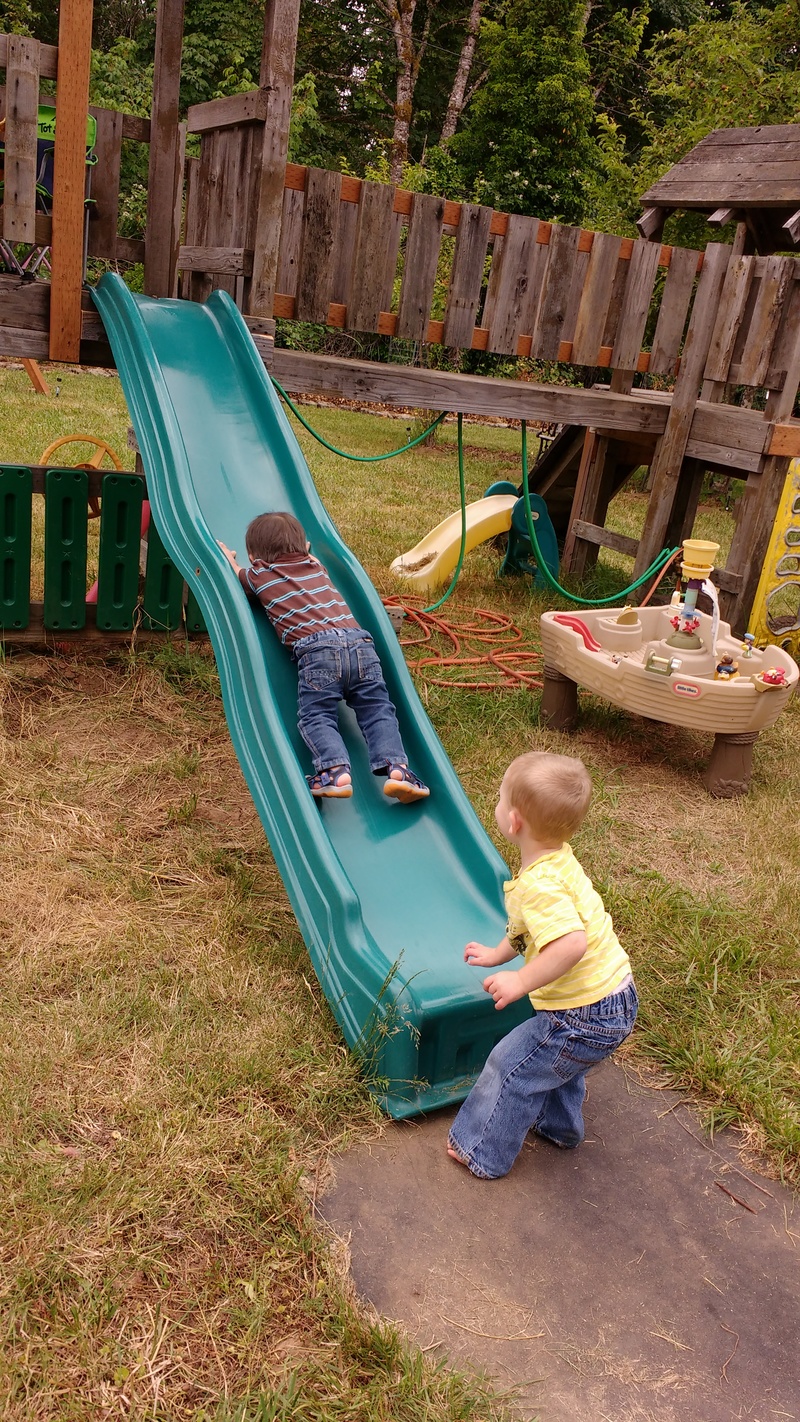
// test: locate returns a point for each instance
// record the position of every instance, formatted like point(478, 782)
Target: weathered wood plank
point(17, 341)
point(228, 112)
point(130, 249)
point(48, 57)
point(22, 104)
point(666, 466)
point(291, 239)
point(674, 310)
point(783, 344)
point(164, 171)
point(281, 20)
point(343, 252)
point(636, 305)
point(135, 128)
point(466, 279)
point(24, 303)
point(375, 255)
point(537, 273)
point(419, 268)
point(506, 300)
point(318, 242)
point(732, 303)
point(764, 163)
point(739, 193)
point(765, 319)
point(595, 299)
point(556, 286)
point(69, 178)
point(226, 261)
point(104, 213)
point(759, 503)
point(605, 538)
point(410, 387)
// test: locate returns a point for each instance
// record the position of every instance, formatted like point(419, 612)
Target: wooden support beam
point(792, 226)
point(721, 216)
point(69, 177)
point(666, 467)
point(410, 387)
point(225, 261)
point(35, 376)
point(48, 57)
point(22, 103)
point(229, 112)
point(651, 222)
point(281, 22)
point(165, 169)
point(760, 501)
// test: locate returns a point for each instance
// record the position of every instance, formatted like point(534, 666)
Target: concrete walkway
point(622, 1282)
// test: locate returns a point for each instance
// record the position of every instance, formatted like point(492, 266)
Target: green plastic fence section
point(194, 617)
point(120, 537)
point(66, 506)
point(16, 485)
point(163, 587)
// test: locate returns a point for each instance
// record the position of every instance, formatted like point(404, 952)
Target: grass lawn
point(174, 1090)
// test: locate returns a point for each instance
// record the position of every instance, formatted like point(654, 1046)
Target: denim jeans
point(343, 666)
point(535, 1079)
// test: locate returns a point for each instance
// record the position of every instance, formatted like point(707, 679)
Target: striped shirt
point(297, 596)
point(554, 897)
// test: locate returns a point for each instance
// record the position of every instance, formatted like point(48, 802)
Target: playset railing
point(137, 587)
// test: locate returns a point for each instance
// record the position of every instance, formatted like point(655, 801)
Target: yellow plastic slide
point(432, 561)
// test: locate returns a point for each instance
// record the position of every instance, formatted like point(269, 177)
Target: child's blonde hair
point(550, 792)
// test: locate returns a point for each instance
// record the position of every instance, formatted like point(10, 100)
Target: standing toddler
point(576, 974)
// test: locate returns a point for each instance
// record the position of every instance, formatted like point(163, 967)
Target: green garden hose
point(358, 458)
point(657, 564)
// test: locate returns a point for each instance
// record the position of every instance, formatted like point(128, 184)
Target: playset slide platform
point(432, 561)
point(386, 895)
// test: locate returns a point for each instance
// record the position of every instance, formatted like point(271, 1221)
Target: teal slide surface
point(386, 895)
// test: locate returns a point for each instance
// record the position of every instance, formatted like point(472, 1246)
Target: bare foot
point(454, 1155)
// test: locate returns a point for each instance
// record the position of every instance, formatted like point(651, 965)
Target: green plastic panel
point(120, 540)
point(163, 587)
point(16, 487)
point(66, 508)
point(195, 622)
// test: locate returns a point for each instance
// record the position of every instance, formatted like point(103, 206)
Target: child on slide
point(336, 659)
point(576, 974)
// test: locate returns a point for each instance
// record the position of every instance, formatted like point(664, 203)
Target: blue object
point(385, 895)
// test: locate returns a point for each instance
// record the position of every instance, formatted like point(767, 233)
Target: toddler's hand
point(229, 553)
point(479, 955)
point(504, 988)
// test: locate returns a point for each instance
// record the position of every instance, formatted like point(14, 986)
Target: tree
point(527, 142)
point(459, 93)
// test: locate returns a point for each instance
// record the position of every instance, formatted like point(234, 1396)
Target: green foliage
point(16, 17)
point(527, 145)
point(724, 70)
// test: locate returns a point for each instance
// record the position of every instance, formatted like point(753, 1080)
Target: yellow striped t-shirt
point(553, 897)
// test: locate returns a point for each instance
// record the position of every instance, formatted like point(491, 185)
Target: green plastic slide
point(386, 895)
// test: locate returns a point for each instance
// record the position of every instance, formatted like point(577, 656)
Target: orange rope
point(493, 631)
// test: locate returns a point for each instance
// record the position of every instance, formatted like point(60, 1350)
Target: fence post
point(165, 174)
point(69, 177)
point(277, 77)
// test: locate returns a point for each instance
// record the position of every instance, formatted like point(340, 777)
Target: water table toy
point(671, 664)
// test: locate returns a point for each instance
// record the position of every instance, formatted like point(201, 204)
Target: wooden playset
point(716, 334)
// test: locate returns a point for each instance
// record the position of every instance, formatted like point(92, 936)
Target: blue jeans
point(343, 666)
point(535, 1079)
